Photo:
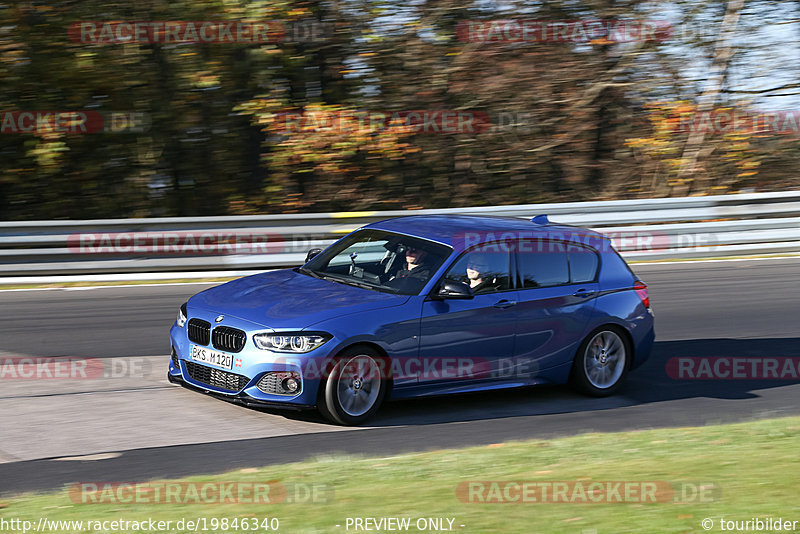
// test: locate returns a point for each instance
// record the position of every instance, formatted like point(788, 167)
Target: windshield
point(381, 261)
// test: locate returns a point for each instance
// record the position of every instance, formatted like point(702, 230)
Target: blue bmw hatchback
point(419, 305)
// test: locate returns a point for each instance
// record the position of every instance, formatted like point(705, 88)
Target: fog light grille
point(275, 383)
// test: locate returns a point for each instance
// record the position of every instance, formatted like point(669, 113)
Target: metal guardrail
point(655, 229)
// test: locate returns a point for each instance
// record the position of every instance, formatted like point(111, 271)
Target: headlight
point(181, 320)
point(295, 342)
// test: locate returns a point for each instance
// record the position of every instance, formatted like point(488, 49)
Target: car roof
point(449, 229)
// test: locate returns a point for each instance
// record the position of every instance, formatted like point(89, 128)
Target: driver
point(416, 266)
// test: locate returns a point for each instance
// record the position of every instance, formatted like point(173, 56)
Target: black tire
point(358, 371)
point(592, 371)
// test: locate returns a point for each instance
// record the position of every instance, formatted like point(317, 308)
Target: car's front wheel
point(601, 363)
point(355, 387)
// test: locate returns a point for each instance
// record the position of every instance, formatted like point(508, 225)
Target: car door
point(468, 339)
point(557, 288)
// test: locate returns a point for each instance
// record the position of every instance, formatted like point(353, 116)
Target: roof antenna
point(540, 219)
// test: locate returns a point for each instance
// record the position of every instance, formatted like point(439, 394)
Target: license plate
point(213, 357)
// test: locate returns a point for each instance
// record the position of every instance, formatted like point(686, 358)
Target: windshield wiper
point(347, 281)
point(333, 278)
point(364, 285)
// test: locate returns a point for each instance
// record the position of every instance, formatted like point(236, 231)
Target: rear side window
point(553, 263)
point(543, 264)
point(582, 264)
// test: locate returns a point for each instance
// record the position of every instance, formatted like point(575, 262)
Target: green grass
point(754, 466)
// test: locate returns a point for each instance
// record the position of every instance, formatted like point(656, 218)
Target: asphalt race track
point(132, 425)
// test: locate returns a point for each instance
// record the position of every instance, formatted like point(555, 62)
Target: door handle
point(505, 303)
point(584, 293)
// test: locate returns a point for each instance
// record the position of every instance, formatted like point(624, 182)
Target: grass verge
point(736, 472)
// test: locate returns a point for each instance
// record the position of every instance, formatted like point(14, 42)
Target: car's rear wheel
point(602, 362)
point(355, 387)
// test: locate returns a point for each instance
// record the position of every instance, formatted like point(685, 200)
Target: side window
point(484, 270)
point(543, 263)
point(582, 264)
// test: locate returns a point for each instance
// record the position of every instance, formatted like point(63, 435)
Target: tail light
point(641, 290)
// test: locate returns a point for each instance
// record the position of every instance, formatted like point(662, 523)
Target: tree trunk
point(723, 50)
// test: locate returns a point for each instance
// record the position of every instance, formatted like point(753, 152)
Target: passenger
point(479, 276)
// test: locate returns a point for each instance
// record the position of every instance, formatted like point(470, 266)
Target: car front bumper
point(240, 398)
point(250, 366)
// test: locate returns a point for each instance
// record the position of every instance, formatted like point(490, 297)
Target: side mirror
point(311, 253)
point(450, 289)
